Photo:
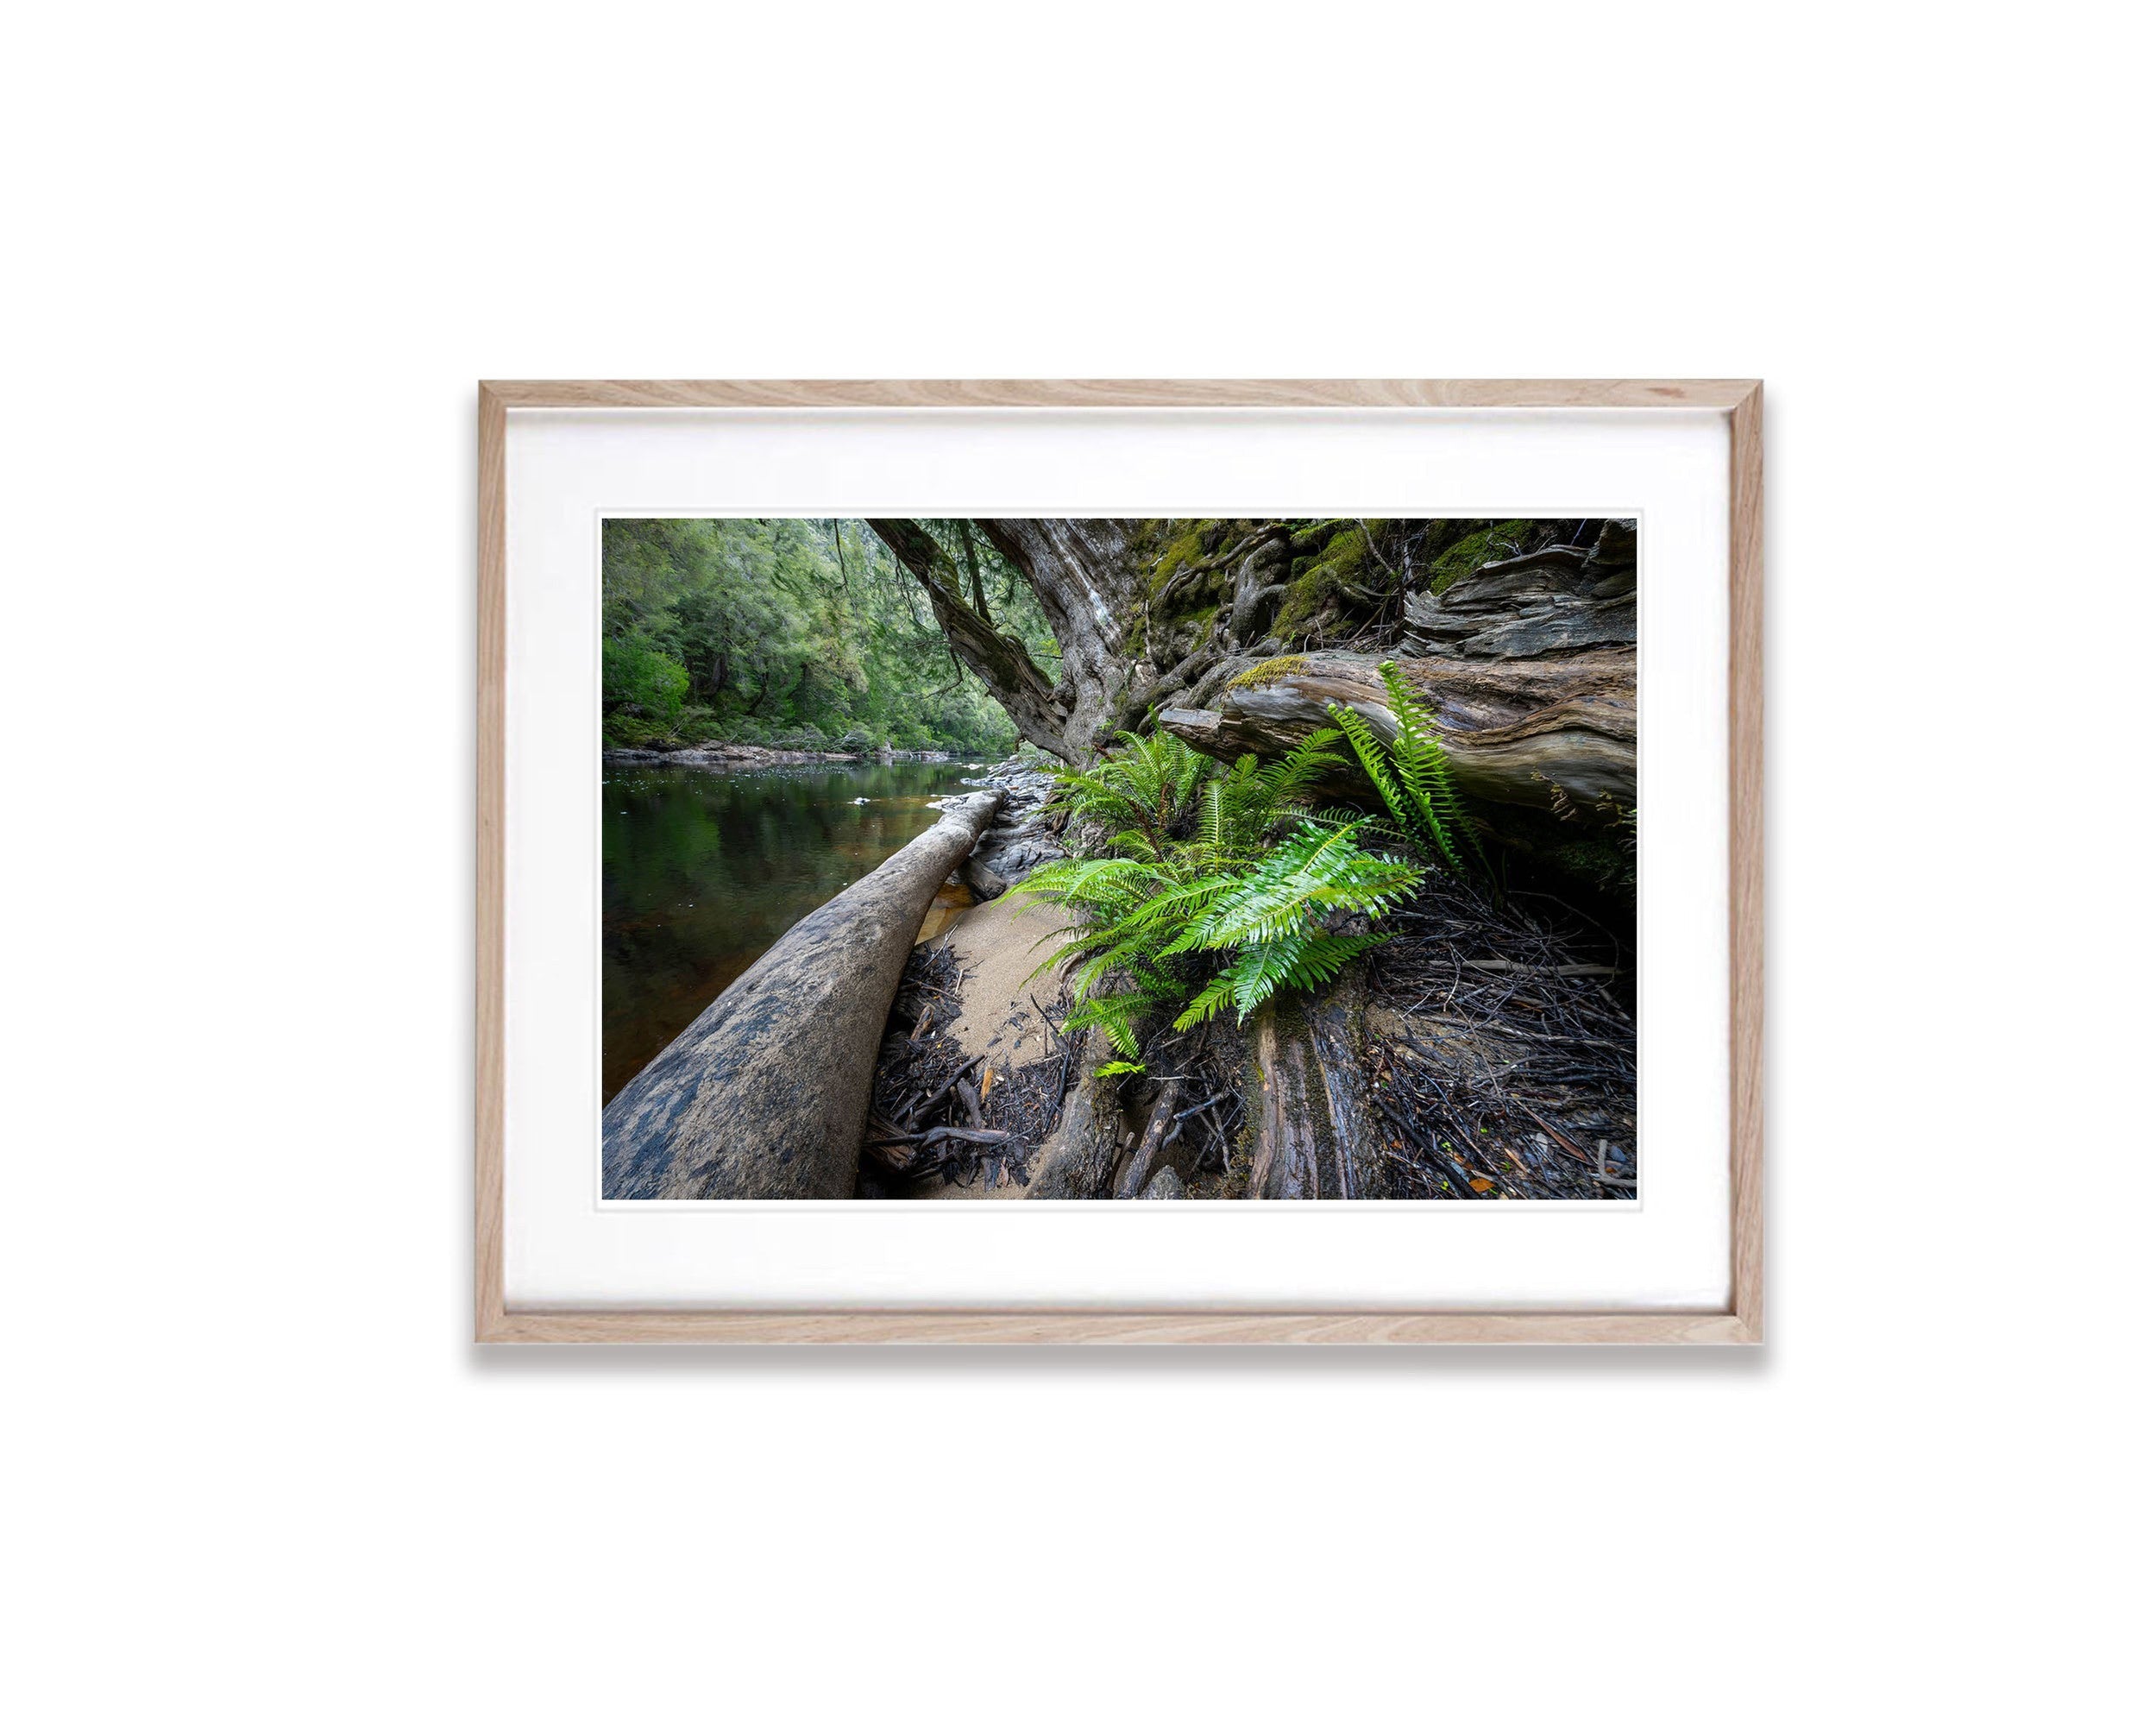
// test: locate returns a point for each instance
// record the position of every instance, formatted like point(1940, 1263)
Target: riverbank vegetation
point(798, 635)
point(1198, 886)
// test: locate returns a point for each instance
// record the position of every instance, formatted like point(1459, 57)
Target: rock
point(718, 755)
point(1165, 1184)
point(983, 881)
point(1020, 841)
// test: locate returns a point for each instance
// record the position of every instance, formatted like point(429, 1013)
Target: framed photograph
point(1097, 861)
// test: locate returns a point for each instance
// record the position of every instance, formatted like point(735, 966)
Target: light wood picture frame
point(1738, 400)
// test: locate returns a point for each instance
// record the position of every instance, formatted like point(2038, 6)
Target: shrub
point(646, 682)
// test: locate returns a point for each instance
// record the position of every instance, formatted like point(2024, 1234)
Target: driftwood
point(1514, 728)
point(766, 1094)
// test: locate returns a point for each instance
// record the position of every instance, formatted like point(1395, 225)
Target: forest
point(801, 634)
point(1320, 859)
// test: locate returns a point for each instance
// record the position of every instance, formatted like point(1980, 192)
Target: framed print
point(1103, 861)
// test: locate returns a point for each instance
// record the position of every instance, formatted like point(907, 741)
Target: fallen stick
point(1222, 1097)
point(1140, 1168)
point(940, 1091)
point(1539, 969)
point(1563, 1142)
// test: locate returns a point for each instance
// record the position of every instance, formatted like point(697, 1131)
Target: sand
point(999, 945)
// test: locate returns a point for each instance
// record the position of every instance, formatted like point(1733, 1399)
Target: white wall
point(262, 252)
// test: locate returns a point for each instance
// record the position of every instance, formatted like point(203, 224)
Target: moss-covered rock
point(1486, 544)
point(1312, 591)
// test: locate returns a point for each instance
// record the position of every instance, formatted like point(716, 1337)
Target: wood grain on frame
point(1743, 1323)
point(1747, 867)
point(488, 1265)
point(1718, 394)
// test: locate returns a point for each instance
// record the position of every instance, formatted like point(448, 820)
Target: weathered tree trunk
point(1086, 577)
point(1518, 731)
point(1528, 659)
point(766, 1094)
point(999, 660)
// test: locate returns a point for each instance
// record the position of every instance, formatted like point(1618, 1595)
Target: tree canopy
point(798, 633)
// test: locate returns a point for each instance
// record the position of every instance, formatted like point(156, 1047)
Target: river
point(703, 870)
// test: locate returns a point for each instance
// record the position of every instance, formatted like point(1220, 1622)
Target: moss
point(1310, 592)
point(1187, 548)
point(1604, 863)
point(1271, 670)
point(1308, 540)
point(1466, 556)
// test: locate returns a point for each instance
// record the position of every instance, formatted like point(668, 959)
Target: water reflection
point(704, 870)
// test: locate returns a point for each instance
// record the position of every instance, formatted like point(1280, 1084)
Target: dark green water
point(704, 869)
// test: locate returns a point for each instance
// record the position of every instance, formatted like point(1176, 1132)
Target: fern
point(1197, 907)
point(1423, 763)
point(1141, 792)
point(1413, 776)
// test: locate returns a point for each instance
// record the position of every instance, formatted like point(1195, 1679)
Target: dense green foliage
point(797, 634)
point(1193, 900)
point(1413, 776)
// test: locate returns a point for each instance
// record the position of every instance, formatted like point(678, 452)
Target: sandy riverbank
point(999, 946)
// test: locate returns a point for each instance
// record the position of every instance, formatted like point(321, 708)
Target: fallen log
point(766, 1094)
point(1514, 728)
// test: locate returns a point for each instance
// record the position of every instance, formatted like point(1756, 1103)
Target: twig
point(940, 1092)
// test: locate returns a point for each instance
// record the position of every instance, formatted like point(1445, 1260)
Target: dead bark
point(766, 1094)
point(1515, 728)
point(1079, 1157)
point(1314, 1137)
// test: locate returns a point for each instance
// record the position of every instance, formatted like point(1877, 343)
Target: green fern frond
point(1425, 765)
point(1191, 904)
point(1117, 1016)
point(1217, 993)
